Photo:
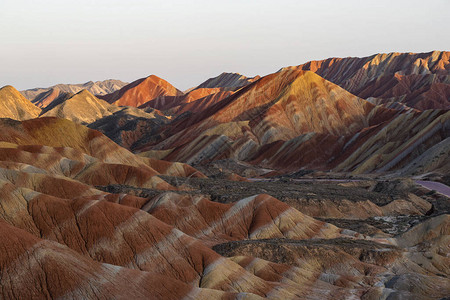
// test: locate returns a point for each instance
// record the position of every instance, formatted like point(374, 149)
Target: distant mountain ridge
point(295, 113)
point(419, 80)
point(227, 80)
point(44, 96)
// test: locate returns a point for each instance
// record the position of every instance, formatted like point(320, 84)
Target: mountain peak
point(83, 107)
point(15, 106)
point(141, 91)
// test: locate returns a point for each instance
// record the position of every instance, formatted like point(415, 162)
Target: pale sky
point(46, 42)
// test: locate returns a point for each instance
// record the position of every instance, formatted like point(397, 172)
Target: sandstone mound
point(82, 108)
point(15, 106)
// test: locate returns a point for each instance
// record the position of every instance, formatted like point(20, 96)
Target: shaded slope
point(173, 103)
point(201, 103)
point(45, 98)
point(227, 80)
point(130, 126)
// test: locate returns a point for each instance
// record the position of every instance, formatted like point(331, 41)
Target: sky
point(46, 42)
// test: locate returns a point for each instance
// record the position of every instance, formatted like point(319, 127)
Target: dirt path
point(437, 186)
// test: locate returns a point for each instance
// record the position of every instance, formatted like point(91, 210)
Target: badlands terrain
point(327, 180)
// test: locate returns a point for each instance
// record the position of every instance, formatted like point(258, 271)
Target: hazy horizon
point(187, 42)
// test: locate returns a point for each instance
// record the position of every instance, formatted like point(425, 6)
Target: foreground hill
point(418, 80)
point(15, 106)
point(141, 91)
point(73, 239)
point(42, 97)
point(64, 135)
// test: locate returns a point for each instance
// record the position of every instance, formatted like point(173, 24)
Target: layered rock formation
point(295, 119)
point(81, 216)
point(418, 80)
point(56, 225)
point(89, 243)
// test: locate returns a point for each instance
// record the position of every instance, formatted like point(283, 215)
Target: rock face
point(141, 91)
point(420, 81)
point(13, 105)
point(42, 97)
